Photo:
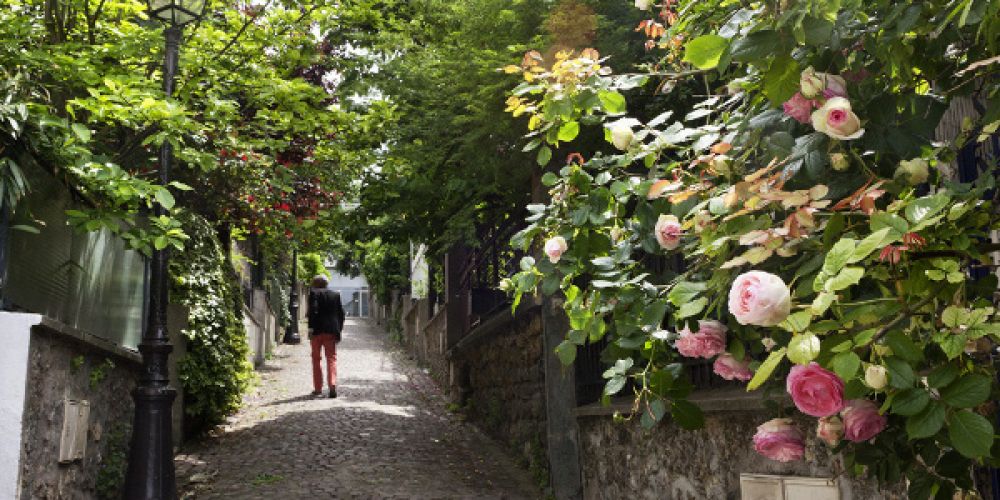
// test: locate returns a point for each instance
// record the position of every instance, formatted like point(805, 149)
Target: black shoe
point(333, 391)
point(316, 393)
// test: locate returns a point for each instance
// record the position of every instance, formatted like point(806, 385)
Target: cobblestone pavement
point(387, 435)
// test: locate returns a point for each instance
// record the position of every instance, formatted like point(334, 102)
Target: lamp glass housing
point(176, 12)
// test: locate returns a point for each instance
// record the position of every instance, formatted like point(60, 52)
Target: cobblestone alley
point(388, 435)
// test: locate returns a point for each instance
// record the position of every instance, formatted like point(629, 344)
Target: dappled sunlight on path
point(387, 435)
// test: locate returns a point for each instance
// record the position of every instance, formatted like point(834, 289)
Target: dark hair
point(319, 281)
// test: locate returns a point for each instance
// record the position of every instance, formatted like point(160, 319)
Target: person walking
point(326, 321)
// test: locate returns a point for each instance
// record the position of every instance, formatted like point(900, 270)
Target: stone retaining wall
point(505, 389)
point(669, 463)
point(59, 368)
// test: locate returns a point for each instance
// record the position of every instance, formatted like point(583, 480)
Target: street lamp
point(150, 472)
point(292, 332)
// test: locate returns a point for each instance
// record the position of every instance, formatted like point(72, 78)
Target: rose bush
point(765, 156)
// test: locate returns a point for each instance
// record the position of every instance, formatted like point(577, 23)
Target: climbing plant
point(215, 371)
point(813, 235)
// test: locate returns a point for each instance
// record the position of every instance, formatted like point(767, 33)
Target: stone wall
point(504, 389)
point(61, 367)
point(669, 463)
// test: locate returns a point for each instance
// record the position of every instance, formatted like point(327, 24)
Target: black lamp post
point(150, 472)
point(292, 332)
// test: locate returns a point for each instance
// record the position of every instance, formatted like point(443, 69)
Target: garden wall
point(495, 373)
point(65, 364)
point(622, 460)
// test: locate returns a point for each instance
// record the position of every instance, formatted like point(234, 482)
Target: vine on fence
point(826, 252)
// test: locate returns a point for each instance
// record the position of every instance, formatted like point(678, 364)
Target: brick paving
point(387, 435)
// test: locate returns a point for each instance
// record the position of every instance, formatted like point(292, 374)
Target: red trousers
point(328, 343)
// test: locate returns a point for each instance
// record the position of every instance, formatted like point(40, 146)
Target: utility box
point(767, 487)
point(76, 421)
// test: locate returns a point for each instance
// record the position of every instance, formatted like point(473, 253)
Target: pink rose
point(778, 439)
point(728, 368)
point(555, 247)
point(815, 390)
point(759, 298)
point(830, 430)
point(862, 420)
point(707, 342)
point(668, 231)
point(836, 120)
point(799, 107)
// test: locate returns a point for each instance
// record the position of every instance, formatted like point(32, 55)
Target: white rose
point(668, 231)
point(836, 120)
point(555, 247)
point(643, 4)
point(913, 171)
point(759, 298)
point(875, 377)
point(621, 136)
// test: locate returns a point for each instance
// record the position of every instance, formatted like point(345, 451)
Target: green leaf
point(954, 316)
point(614, 385)
point(544, 155)
point(926, 423)
point(705, 51)
point(822, 302)
point(969, 391)
point(797, 322)
point(895, 223)
point(164, 198)
point(687, 414)
point(942, 376)
point(161, 242)
point(970, 433)
point(846, 365)
point(847, 277)
point(781, 80)
point(872, 242)
point(817, 31)
point(568, 131)
point(691, 308)
point(910, 402)
point(837, 257)
point(921, 209)
point(903, 346)
point(900, 373)
point(566, 352)
point(684, 292)
point(549, 179)
point(612, 102)
point(766, 368)
point(803, 348)
point(756, 46)
point(81, 131)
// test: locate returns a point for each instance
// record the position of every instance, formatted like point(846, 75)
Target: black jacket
point(326, 314)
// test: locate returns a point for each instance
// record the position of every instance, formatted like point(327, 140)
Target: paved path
point(388, 435)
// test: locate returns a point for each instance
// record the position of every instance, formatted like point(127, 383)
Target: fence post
point(560, 402)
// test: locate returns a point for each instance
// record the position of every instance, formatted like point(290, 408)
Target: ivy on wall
point(215, 372)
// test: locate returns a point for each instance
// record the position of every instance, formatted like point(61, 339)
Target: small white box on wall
point(76, 422)
point(767, 487)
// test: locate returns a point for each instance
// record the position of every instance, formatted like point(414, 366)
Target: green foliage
point(215, 372)
point(757, 176)
point(311, 264)
point(114, 462)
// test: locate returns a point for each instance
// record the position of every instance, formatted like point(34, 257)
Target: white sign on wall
point(418, 271)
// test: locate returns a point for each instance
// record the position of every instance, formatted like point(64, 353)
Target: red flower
point(250, 198)
point(244, 157)
point(284, 206)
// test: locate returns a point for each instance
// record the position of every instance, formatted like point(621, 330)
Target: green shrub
point(215, 372)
